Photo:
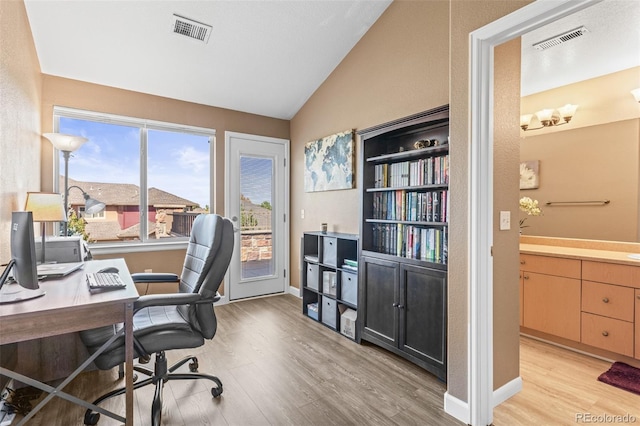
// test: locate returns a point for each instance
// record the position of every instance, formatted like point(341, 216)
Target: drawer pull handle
point(605, 333)
point(605, 300)
point(526, 277)
point(522, 262)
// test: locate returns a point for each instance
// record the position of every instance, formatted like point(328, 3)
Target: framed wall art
point(329, 163)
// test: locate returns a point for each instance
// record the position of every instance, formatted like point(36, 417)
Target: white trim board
point(480, 184)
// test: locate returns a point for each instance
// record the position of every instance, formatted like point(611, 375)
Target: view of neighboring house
point(169, 215)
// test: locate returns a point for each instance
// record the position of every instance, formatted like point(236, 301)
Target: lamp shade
point(46, 207)
point(65, 142)
point(92, 206)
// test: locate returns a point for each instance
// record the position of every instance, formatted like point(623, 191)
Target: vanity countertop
point(594, 254)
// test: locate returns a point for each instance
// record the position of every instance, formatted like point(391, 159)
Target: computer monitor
point(23, 262)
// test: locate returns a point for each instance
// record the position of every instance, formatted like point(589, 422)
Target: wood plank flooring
point(561, 387)
point(280, 368)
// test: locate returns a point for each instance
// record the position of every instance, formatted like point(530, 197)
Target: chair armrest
point(165, 300)
point(154, 277)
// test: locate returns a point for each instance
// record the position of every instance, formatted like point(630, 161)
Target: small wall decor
point(529, 174)
point(329, 163)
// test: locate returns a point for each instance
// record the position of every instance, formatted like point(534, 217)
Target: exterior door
point(256, 200)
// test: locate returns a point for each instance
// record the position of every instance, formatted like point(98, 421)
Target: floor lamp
point(67, 144)
point(46, 207)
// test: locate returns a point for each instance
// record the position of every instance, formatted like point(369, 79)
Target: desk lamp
point(46, 207)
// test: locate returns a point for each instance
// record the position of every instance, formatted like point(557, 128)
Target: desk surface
point(74, 306)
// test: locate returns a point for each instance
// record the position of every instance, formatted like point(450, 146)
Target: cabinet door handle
point(605, 333)
point(394, 304)
point(522, 262)
point(400, 306)
point(605, 299)
point(526, 277)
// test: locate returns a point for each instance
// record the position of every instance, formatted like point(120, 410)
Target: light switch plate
point(505, 220)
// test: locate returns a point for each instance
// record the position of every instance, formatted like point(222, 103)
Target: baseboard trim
point(506, 391)
point(295, 291)
point(457, 408)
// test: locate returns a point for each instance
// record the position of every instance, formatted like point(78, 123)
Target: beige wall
point(467, 16)
point(20, 87)
point(398, 68)
point(594, 157)
point(506, 314)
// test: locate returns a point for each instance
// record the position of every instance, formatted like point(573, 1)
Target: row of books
point(425, 171)
point(432, 206)
point(411, 241)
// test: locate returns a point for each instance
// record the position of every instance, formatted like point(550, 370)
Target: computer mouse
point(109, 269)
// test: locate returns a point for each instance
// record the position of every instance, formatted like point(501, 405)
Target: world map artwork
point(329, 163)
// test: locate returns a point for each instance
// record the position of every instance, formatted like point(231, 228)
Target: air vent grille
point(190, 28)
point(561, 38)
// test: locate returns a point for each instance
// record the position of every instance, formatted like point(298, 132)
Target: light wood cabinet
point(548, 265)
point(637, 324)
point(608, 300)
point(611, 273)
point(521, 299)
point(607, 333)
point(552, 305)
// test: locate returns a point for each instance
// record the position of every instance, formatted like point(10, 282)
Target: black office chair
point(182, 320)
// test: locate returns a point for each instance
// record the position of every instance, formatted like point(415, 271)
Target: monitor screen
point(23, 262)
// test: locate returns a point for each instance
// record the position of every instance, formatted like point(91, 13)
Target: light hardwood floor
point(279, 368)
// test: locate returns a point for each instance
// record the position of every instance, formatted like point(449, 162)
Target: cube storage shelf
point(330, 280)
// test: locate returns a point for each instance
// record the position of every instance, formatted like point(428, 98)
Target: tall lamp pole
point(67, 144)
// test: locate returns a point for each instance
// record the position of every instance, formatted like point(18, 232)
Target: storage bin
point(348, 322)
point(312, 276)
point(312, 310)
point(349, 288)
point(329, 307)
point(329, 251)
point(329, 283)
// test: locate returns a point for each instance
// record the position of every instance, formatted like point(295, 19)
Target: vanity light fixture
point(636, 94)
point(549, 117)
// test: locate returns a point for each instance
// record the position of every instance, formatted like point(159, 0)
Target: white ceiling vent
point(561, 38)
point(190, 28)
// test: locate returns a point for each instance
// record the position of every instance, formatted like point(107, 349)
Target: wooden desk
point(68, 306)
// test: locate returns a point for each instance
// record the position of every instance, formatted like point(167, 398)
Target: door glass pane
point(178, 176)
point(256, 221)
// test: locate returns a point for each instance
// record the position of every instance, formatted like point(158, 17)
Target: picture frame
point(329, 162)
point(530, 174)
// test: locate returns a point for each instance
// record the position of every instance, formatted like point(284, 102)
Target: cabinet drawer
point(608, 300)
point(557, 266)
point(312, 276)
point(329, 251)
point(349, 288)
point(611, 273)
point(607, 333)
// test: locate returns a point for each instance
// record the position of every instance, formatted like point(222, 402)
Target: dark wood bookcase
point(404, 210)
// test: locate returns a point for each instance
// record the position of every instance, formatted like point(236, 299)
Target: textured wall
point(20, 87)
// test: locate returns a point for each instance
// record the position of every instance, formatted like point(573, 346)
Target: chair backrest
point(205, 264)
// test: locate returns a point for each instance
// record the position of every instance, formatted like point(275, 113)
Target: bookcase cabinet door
point(423, 314)
point(380, 296)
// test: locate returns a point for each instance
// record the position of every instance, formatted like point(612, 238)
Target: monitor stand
point(12, 293)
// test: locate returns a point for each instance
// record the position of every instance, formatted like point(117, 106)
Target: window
point(153, 177)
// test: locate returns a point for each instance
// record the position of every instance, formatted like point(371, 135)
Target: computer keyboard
point(104, 280)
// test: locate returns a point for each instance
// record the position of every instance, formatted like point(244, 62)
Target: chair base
point(159, 377)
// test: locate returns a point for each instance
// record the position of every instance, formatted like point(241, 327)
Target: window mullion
point(144, 199)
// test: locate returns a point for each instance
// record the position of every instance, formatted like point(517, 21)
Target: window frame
point(144, 125)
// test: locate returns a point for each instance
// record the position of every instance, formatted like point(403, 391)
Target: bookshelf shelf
point(404, 205)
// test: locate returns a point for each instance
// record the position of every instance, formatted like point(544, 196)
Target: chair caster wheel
point(217, 391)
point(193, 366)
point(91, 419)
point(144, 359)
